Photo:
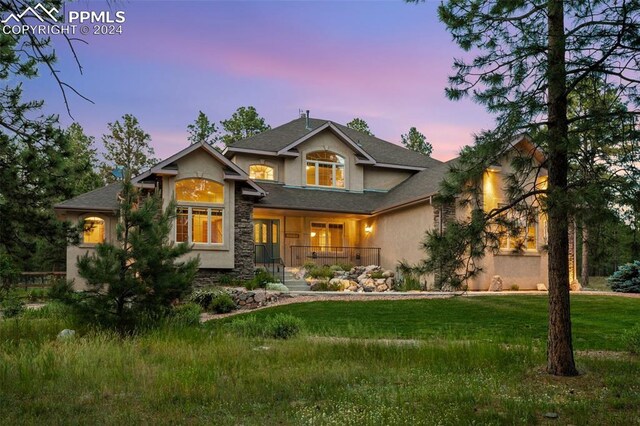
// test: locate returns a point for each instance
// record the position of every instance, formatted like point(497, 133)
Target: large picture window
point(200, 211)
point(261, 172)
point(327, 234)
point(324, 168)
point(526, 239)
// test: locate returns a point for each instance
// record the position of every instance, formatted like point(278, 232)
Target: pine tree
point(140, 275)
point(528, 58)
point(126, 146)
point(244, 123)
point(360, 125)
point(416, 141)
point(203, 131)
point(84, 159)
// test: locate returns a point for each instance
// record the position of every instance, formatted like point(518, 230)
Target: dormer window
point(261, 172)
point(325, 168)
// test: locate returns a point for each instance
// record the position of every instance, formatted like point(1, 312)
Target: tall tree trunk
point(584, 278)
point(560, 360)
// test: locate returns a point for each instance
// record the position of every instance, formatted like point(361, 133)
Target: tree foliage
point(127, 146)
point(202, 130)
point(360, 125)
point(244, 123)
point(626, 279)
point(137, 277)
point(37, 168)
point(416, 141)
point(85, 158)
point(526, 60)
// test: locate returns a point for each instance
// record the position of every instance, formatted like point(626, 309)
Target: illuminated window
point(199, 191)
point(327, 234)
point(491, 190)
point(261, 172)
point(93, 230)
point(196, 220)
point(324, 168)
point(526, 239)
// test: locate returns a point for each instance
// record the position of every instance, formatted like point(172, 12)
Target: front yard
point(453, 361)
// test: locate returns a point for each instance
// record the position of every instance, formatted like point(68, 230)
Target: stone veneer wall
point(243, 256)
point(448, 213)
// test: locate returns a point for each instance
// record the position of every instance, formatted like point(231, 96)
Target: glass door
point(266, 237)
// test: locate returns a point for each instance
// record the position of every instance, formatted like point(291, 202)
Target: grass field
point(468, 360)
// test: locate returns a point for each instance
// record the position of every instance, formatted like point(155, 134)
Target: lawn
point(457, 361)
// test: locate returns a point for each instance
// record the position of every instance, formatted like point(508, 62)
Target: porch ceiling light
point(313, 234)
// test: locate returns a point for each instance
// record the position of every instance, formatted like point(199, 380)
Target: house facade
point(310, 190)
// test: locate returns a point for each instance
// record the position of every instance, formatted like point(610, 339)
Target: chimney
point(307, 124)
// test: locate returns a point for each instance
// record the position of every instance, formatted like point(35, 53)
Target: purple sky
point(386, 62)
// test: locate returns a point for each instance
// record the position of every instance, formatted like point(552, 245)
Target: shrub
point(377, 275)
point(279, 326)
point(60, 289)
point(222, 303)
point(336, 268)
point(514, 287)
point(186, 314)
point(277, 287)
point(11, 306)
point(320, 272)
point(283, 326)
point(632, 340)
point(203, 297)
point(262, 278)
point(225, 280)
point(626, 279)
point(408, 283)
point(309, 265)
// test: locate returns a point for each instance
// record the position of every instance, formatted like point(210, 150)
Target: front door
point(266, 237)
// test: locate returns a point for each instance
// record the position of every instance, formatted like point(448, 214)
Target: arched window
point(199, 191)
point(197, 221)
point(93, 232)
point(261, 172)
point(325, 168)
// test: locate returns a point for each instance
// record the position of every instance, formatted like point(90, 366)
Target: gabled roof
point(282, 140)
point(103, 199)
point(233, 172)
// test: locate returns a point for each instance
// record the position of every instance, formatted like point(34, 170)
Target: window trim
point(326, 226)
point(209, 207)
point(334, 167)
point(273, 172)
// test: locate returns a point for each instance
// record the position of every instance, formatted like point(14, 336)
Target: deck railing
point(263, 258)
point(323, 255)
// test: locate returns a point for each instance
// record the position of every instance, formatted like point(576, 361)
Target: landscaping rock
point(66, 334)
point(542, 287)
point(496, 283)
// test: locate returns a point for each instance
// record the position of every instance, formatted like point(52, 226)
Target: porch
point(292, 238)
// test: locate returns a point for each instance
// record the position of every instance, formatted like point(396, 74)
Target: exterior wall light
point(368, 229)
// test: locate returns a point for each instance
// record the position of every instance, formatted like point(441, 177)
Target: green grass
point(478, 360)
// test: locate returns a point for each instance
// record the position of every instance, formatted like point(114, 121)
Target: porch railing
point(263, 258)
point(321, 255)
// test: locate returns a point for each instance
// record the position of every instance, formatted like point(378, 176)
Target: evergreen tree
point(416, 141)
point(138, 277)
point(84, 159)
point(126, 146)
point(360, 125)
point(244, 123)
point(528, 58)
point(203, 131)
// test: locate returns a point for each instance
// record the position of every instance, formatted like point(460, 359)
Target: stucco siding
point(399, 233)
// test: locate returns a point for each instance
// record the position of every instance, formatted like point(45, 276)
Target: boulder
point(380, 281)
point(381, 288)
point(259, 297)
point(334, 281)
point(541, 287)
point(387, 274)
point(352, 288)
point(66, 334)
point(496, 283)
point(389, 282)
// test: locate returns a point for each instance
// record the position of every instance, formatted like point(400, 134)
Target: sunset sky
point(384, 61)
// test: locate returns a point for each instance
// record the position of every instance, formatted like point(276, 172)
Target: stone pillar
point(244, 261)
